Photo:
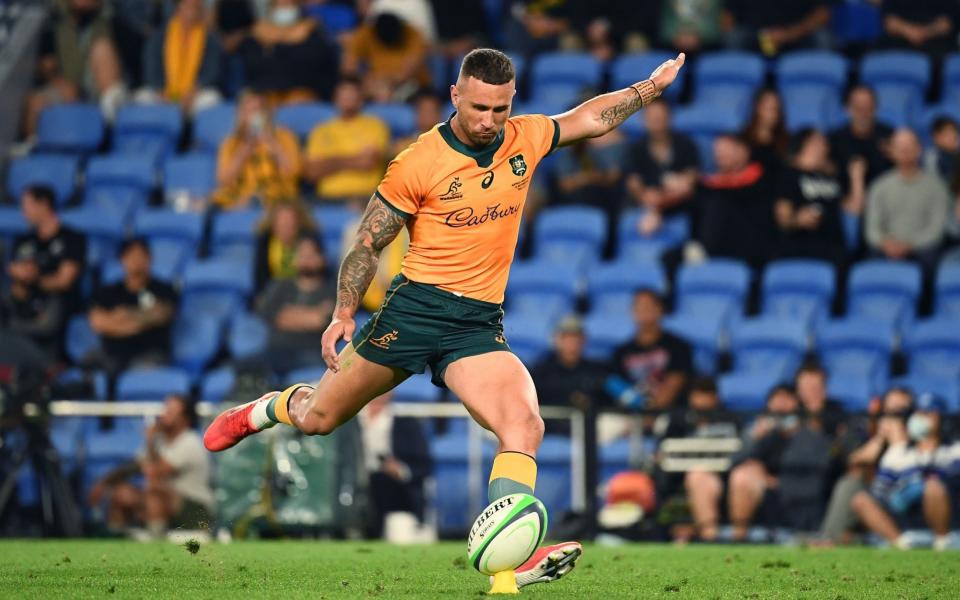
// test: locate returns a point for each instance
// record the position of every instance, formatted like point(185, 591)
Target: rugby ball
point(506, 533)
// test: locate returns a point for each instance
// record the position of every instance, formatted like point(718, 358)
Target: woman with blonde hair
point(282, 226)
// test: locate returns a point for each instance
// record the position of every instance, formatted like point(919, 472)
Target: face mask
point(918, 427)
point(256, 123)
point(284, 16)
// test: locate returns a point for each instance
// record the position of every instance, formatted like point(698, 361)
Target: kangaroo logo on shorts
point(518, 165)
point(500, 339)
point(384, 340)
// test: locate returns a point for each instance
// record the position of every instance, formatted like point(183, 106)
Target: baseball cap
point(927, 402)
point(570, 324)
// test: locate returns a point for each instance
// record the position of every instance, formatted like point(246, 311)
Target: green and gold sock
point(512, 473)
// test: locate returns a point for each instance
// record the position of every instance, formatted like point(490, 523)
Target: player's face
point(482, 108)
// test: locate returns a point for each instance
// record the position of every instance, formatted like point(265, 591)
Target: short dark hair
point(811, 365)
point(800, 139)
point(488, 65)
point(941, 123)
point(42, 194)
point(705, 385)
point(189, 409)
point(652, 293)
point(131, 243)
point(779, 389)
point(857, 88)
point(350, 80)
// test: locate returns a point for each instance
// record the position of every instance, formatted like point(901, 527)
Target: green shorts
point(420, 325)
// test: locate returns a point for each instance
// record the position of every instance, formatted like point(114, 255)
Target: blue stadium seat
point(728, 78)
point(12, 224)
point(801, 289)
point(234, 233)
point(932, 348)
point(703, 335)
point(897, 104)
point(417, 388)
point(195, 342)
point(303, 117)
point(553, 473)
point(570, 234)
point(248, 336)
point(449, 452)
point(81, 341)
point(768, 345)
point(579, 70)
point(946, 388)
point(627, 68)
point(66, 435)
point(605, 333)
point(217, 384)
point(216, 288)
point(104, 230)
point(816, 107)
point(158, 223)
point(948, 290)
point(951, 79)
point(703, 122)
point(857, 347)
point(153, 383)
point(713, 289)
point(611, 286)
point(884, 290)
point(151, 131)
point(336, 18)
point(854, 392)
point(855, 22)
point(903, 67)
point(332, 220)
point(105, 450)
point(73, 128)
point(212, 125)
point(309, 375)
point(746, 392)
point(193, 173)
point(399, 117)
point(812, 68)
point(529, 335)
point(634, 246)
point(167, 259)
point(616, 456)
point(924, 121)
point(539, 287)
point(59, 172)
point(119, 183)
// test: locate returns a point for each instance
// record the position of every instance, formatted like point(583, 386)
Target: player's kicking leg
point(334, 401)
point(499, 393)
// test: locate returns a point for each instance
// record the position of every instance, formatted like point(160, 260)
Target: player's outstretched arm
point(599, 115)
point(379, 226)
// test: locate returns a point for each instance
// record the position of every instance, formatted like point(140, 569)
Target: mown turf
point(94, 569)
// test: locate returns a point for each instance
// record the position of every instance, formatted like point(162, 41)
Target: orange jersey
point(464, 206)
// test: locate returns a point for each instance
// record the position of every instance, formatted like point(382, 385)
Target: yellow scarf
point(280, 259)
point(182, 55)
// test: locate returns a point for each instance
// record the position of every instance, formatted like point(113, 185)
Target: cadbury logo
point(467, 217)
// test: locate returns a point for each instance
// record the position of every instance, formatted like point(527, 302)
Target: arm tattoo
point(640, 95)
point(379, 226)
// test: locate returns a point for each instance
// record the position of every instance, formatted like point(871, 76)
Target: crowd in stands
point(648, 254)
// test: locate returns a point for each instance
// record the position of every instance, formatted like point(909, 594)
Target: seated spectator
point(287, 56)
point(416, 13)
point(427, 106)
point(176, 491)
point(133, 317)
point(234, 20)
point(863, 137)
point(766, 132)
point(735, 205)
point(775, 28)
point(662, 168)
point(345, 155)
point(39, 317)
point(589, 172)
point(183, 61)
point(927, 26)
point(910, 489)
point(278, 234)
point(398, 460)
point(652, 369)
point(259, 161)
point(390, 55)
point(907, 208)
point(691, 27)
point(77, 60)
point(298, 309)
point(820, 413)
point(943, 157)
point(461, 26)
point(811, 201)
point(49, 260)
point(565, 377)
point(533, 27)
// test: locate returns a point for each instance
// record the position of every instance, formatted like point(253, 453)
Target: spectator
point(774, 28)
point(77, 60)
point(652, 369)
point(785, 458)
point(398, 460)
point(133, 317)
point(176, 470)
point(910, 488)
point(34, 315)
point(811, 201)
point(589, 172)
point(416, 13)
point(766, 132)
point(863, 137)
point(259, 161)
point(927, 26)
point(427, 106)
point(662, 168)
point(691, 27)
point(461, 26)
point(278, 234)
point(182, 62)
point(820, 413)
point(50, 259)
point(943, 158)
point(534, 26)
point(907, 208)
point(391, 55)
point(298, 310)
point(345, 155)
point(565, 377)
point(735, 205)
point(287, 57)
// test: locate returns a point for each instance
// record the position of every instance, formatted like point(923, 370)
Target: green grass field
point(94, 569)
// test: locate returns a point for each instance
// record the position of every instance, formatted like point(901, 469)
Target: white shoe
point(549, 563)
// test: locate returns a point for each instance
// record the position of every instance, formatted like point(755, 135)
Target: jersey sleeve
point(403, 187)
point(542, 131)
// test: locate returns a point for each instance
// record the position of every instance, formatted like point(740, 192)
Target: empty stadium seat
point(611, 286)
point(817, 68)
point(195, 342)
point(570, 234)
point(857, 347)
point(854, 392)
point(768, 345)
point(554, 474)
point(151, 131)
point(248, 336)
point(234, 233)
point(746, 392)
point(635, 246)
point(332, 220)
point(59, 172)
point(417, 388)
point(574, 70)
point(540, 287)
point(399, 117)
point(217, 384)
point(336, 18)
point(946, 388)
point(801, 289)
point(884, 290)
point(152, 383)
point(104, 230)
point(73, 128)
point(81, 341)
point(529, 335)
point(951, 79)
point(703, 335)
point(900, 79)
point(119, 183)
point(309, 375)
point(303, 117)
point(605, 333)
point(106, 449)
point(815, 107)
point(715, 289)
point(948, 290)
point(932, 348)
point(212, 125)
point(193, 174)
point(627, 68)
point(12, 224)
point(728, 78)
point(216, 287)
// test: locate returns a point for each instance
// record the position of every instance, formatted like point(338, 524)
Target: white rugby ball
point(506, 533)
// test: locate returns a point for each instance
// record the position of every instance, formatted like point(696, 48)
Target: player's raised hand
point(339, 329)
point(666, 73)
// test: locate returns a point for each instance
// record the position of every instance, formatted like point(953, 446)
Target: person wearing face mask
point(911, 486)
